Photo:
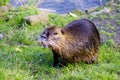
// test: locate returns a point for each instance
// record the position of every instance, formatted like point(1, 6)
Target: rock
point(104, 10)
point(1, 36)
point(60, 6)
point(5, 9)
point(34, 19)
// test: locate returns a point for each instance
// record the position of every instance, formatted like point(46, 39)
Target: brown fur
point(78, 41)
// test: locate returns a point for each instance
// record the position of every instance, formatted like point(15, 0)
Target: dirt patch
point(109, 26)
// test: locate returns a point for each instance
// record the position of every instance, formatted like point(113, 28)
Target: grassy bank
point(22, 58)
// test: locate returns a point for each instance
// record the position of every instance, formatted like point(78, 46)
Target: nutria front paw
point(57, 65)
point(54, 64)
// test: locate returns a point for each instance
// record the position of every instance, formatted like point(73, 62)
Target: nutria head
point(51, 36)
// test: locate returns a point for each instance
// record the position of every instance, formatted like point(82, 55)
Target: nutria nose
point(43, 36)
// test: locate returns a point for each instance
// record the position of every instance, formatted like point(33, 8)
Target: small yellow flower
point(18, 49)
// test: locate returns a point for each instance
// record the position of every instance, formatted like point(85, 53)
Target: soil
point(109, 26)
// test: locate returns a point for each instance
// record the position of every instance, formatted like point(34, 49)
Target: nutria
point(78, 41)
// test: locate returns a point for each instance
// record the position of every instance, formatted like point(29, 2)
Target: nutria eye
point(55, 33)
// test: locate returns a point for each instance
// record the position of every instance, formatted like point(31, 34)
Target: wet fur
point(78, 41)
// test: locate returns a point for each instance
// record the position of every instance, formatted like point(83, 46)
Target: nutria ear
point(62, 31)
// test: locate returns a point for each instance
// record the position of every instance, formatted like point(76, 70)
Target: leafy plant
point(4, 2)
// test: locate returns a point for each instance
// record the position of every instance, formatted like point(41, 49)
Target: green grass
point(4, 2)
point(22, 58)
point(118, 22)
